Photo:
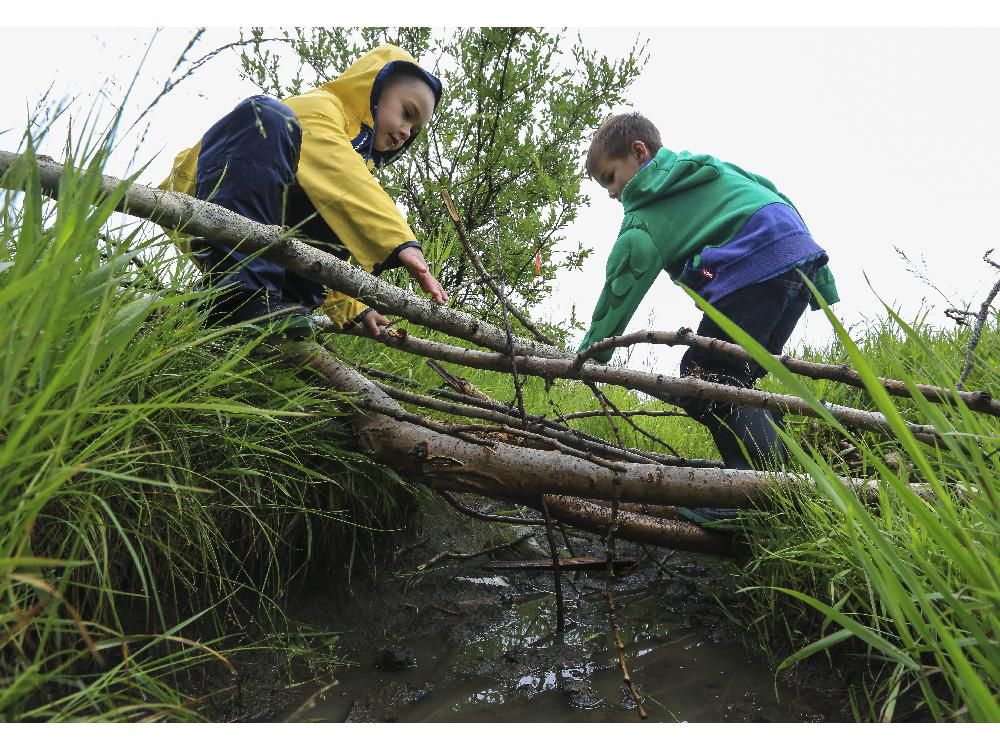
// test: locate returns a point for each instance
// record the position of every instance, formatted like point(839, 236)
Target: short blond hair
point(617, 134)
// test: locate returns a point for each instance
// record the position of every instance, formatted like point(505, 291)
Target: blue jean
point(768, 311)
point(247, 164)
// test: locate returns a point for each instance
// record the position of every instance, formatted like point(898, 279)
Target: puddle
point(492, 655)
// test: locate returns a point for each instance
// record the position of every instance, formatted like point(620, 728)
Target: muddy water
point(460, 643)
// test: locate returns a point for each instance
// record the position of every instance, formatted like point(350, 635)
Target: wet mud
point(458, 642)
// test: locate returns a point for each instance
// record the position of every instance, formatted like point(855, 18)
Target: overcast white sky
point(880, 136)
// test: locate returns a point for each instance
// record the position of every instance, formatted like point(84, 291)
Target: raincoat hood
point(667, 174)
point(359, 87)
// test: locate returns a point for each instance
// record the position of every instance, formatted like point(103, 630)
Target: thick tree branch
point(180, 212)
point(524, 474)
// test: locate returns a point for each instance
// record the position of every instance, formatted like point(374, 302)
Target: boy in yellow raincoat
point(307, 162)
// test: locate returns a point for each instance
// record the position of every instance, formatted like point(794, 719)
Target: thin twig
point(628, 413)
point(502, 296)
point(602, 400)
point(609, 544)
point(461, 385)
point(449, 555)
point(984, 311)
point(633, 454)
point(481, 270)
point(479, 515)
point(387, 376)
point(565, 537)
point(637, 428)
point(556, 571)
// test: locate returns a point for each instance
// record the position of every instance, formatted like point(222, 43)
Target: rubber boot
point(748, 427)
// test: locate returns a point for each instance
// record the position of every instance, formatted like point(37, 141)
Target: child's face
point(614, 173)
point(403, 110)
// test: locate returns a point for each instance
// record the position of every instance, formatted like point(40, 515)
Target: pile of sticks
point(539, 462)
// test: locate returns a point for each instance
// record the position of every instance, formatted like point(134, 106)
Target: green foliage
point(912, 582)
point(161, 483)
point(507, 139)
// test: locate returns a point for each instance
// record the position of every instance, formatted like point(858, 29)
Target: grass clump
point(162, 485)
point(912, 582)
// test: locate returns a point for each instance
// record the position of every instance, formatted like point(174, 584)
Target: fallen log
point(516, 472)
point(182, 213)
point(574, 490)
point(525, 475)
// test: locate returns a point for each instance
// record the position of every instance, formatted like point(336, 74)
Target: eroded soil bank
point(461, 641)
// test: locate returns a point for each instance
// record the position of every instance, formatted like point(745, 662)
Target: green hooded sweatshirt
point(676, 207)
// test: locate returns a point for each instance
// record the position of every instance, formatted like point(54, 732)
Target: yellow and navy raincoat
point(335, 165)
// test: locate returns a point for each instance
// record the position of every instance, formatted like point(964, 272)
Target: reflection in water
point(511, 666)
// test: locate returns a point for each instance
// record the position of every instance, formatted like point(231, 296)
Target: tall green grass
point(162, 485)
point(910, 584)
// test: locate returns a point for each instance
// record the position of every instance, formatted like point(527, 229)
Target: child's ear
point(641, 151)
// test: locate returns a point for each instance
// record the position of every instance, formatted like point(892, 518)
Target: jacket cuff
point(356, 320)
point(393, 260)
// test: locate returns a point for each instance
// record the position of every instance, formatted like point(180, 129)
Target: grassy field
point(164, 486)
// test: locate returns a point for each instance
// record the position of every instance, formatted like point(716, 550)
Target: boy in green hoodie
point(732, 237)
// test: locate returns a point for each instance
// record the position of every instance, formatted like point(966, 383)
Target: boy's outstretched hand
point(413, 260)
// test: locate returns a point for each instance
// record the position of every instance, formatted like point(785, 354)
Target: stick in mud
point(449, 555)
